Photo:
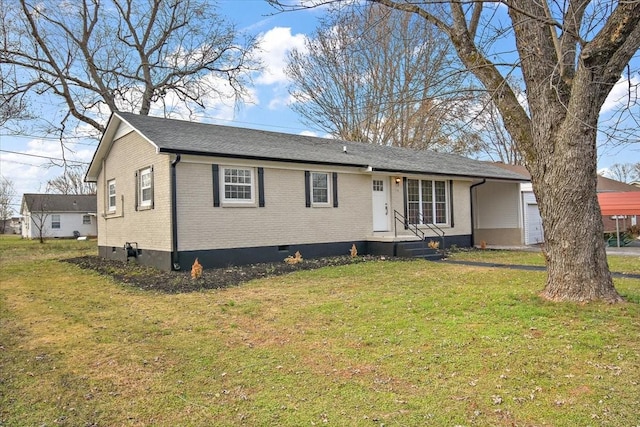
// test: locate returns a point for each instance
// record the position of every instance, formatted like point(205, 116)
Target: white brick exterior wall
point(283, 220)
point(150, 228)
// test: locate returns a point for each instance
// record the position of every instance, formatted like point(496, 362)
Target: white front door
point(380, 191)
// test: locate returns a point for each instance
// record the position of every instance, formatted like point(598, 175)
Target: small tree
point(36, 214)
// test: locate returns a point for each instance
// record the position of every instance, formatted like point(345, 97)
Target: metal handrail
point(437, 230)
point(398, 217)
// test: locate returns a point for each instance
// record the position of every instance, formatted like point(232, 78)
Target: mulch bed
point(152, 279)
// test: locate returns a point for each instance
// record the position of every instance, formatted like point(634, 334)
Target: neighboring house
point(170, 191)
point(606, 185)
point(58, 215)
point(532, 223)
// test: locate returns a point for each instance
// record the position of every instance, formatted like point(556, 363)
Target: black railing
point(398, 217)
point(437, 230)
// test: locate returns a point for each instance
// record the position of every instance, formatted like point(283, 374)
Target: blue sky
point(268, 107)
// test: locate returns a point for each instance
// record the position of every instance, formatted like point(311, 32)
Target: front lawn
point(367, 344)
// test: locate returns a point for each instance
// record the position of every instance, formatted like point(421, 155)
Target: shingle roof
point(60, 203)
point(177, 136)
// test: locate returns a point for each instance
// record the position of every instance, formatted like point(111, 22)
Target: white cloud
point(308, 133)
point(274, 46)
point(624, 92)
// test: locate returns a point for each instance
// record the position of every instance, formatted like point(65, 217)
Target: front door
point(380, 203)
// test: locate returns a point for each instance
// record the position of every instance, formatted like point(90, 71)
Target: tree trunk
point(564, 177)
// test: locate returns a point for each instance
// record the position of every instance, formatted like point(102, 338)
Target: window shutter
point(137, 202)
point(216, 185)
point(261, 187)
point(335, 189)
point(153, 199)
point(307, 188)
point(451, 202)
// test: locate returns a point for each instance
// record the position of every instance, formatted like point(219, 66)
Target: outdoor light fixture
point(398, 179)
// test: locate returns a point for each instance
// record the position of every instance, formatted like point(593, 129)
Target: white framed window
point(86, 219)
point(426, 201)
point(320, 188)
point(111, 191)
point(238, 185)
point(145, 187)
point(55, 221)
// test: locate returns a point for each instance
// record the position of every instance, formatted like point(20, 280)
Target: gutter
point(484, 180)
point(175, 259)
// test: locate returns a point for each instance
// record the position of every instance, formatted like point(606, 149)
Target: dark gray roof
point(177, 136)
point(60, 203)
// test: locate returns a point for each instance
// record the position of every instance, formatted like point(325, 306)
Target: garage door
point(533, 225)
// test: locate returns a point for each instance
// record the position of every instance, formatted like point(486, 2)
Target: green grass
point(393, 343)
point(617, 263)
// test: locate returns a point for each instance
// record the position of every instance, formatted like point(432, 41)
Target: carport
point(619, 204)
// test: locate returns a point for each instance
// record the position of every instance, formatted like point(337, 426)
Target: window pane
point(55, 221)
point(145, 187)
point(413, 201)
point(378, 185)
point(441, 202)
point(238, 192)
point(112, 195)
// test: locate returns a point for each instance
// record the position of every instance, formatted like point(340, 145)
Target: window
point(145, 188)
point(111, 191)
point(55, 221)
point(426, 201)
point(378, 185)
point(86, 219)
point(238, 185)
point(319, 188)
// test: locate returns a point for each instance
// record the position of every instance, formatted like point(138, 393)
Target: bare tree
point(36, 214)
point(7, 195)
point(96, 57)
point(494, 141)
point(624, 172)
point(13, 106)
point(381, 76)
point(570, 54)
point(71, 182)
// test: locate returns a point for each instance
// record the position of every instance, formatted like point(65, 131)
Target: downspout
point(175, 259)
point(473, 243)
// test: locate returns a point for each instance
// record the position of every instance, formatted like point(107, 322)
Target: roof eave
point(102, 149)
